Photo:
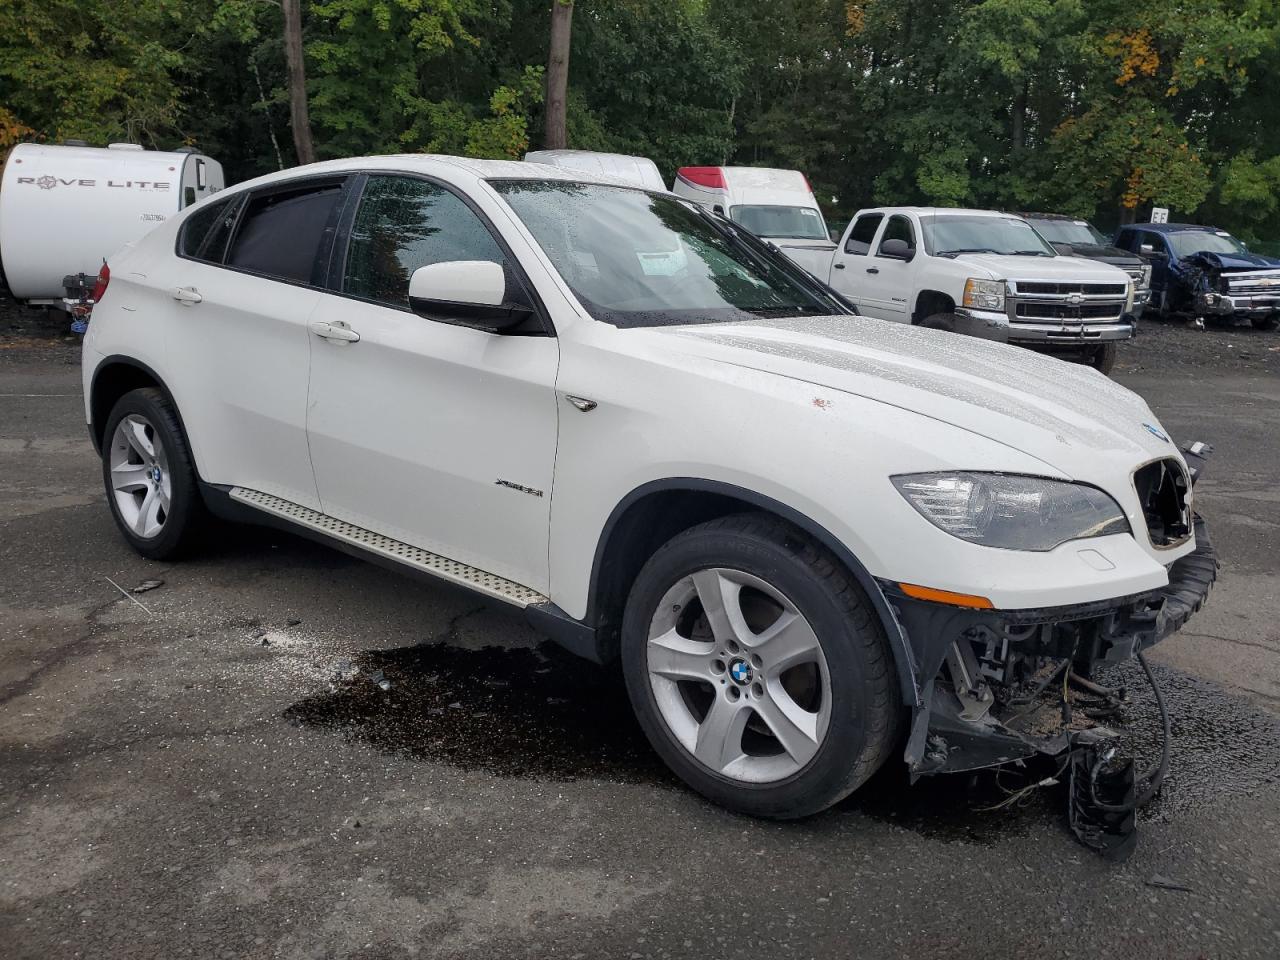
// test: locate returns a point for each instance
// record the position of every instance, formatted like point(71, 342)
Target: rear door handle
point(187, 295)
point(335, 332)
point(873, 269)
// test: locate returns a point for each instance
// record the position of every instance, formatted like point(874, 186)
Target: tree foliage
point(1093, 107)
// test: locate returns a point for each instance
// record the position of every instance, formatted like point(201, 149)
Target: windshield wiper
point(954, 253)
point(1030, 253)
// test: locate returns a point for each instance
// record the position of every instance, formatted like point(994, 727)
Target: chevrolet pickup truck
point(977, 272)
point(808, 541)
point(1074, 237)
point(1205, 273)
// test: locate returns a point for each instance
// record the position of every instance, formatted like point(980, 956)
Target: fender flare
point(119, 359)
point(903, 658)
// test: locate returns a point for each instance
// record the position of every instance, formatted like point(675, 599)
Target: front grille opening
point(1163, 491)
point(1064, 311)
point(1060, 289)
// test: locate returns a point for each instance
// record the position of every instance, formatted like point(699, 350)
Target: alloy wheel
point(140, 480)
point(738, 675)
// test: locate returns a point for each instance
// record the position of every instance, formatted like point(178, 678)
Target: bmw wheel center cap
point(740, 671)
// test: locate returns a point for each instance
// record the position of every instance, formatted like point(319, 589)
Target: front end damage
point(999, 687)
point(1215, 290)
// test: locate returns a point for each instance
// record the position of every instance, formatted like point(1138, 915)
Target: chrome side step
point(489, 584)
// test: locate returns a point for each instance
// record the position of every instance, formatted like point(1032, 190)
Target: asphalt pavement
point(210, 768)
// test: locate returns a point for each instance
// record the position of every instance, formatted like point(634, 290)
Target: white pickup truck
point(978, 272)
point(795, 532)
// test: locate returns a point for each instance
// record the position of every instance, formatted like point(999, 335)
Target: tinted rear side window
point(281, 232)
point(204, 235)
point(863, 232)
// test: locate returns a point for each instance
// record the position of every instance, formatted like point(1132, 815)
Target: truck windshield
point(637, 259)
point(950, 234)
point(780, 222)
point(1069, 231)
point(1187, 242)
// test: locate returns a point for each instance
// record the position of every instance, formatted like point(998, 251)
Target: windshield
point(1187, 242)
point(1069, 231)
point(950, 234)
point(772, 220)
point(637, 259)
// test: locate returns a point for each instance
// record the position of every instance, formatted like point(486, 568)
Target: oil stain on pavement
point(546, 714)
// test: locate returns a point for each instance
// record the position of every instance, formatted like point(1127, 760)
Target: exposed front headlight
point(984, 294)
point(1011, 511)
point(1146, 275)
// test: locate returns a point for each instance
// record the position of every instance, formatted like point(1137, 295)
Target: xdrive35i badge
point(1157, 432)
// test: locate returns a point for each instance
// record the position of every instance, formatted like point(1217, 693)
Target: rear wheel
point(149, 476)
point(1269, 322)
point(757, 669)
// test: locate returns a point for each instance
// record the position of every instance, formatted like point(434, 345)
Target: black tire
point(1269, 322)
point(187, 516)
point(865, 705)
point(941, 321)
point(1104, 358)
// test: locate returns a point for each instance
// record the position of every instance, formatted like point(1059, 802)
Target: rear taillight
point(104, 278)
point(711, 177)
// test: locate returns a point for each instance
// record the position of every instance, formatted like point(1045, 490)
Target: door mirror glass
point(1146, 248)
point(471, 293)
point(896, 249)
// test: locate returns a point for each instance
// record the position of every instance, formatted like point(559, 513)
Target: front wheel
point(149, 475)
point(757, 669)
point(1269, 322)
point(1104, 358)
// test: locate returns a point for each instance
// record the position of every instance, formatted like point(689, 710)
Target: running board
point(489, 584)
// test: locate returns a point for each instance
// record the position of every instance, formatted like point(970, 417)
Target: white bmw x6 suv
point(808, 539)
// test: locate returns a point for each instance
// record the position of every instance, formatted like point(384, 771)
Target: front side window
point(637, 259)
point(781, 222)
point(281, 231)
point(404, 223)
point(950, 234)
point(204, 235)
point(863, 232)
point(899, 228)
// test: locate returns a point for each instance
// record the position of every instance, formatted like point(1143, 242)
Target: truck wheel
point(1269, 322)
point(757, 669)
point(1104, 358)
point(149, 476)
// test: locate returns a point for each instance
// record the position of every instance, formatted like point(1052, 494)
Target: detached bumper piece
point(993, 684)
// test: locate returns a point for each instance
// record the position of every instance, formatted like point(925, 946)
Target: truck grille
point(1165, 494)
point(1252, 282)
point(1040, 287)
point(1040, 301)
point(1062, 311)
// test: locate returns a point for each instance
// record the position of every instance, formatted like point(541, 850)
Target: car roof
point(438, 164)
point(1047, 216)
point(941, 211)
point(1170, 227)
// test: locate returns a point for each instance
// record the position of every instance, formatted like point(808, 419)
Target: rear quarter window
point(204, 234)
point(281, 231)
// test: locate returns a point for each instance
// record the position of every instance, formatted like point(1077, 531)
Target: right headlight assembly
point(1011, 511)
point(982, 294)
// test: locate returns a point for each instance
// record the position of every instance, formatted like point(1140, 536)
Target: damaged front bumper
point(982, 673)
point(1222, 304)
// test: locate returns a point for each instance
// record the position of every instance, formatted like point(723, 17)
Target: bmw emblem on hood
point(1157, 432)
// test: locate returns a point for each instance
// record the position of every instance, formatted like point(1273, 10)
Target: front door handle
point(873, 269)
point(188, 295)
point(838, 266)
point(336, 331)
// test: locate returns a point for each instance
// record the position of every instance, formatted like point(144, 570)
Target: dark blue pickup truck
point(1204, 272)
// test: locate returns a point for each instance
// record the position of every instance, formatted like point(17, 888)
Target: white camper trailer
point(65, 209)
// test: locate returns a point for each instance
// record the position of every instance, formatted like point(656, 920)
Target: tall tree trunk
point(554, 136)
point(299, 117)
point(1019, 135)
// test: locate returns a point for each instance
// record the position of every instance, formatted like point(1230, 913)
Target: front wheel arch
point(608, 589)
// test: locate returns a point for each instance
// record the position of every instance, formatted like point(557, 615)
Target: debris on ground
point(1164, 883)
point(130, 597)
point(378, 679)
point(146, 585)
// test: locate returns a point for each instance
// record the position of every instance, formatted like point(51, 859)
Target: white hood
point(1044, 268)
point(1067, 415)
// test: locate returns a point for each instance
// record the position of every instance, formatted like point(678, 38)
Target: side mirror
point(896, 250)
point(1147, 249)
point(1064, 249)
point(470, 293)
